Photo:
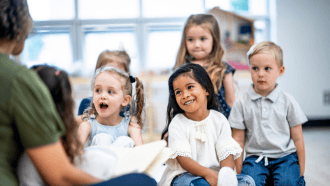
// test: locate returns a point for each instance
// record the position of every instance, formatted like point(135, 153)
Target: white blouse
point(207, 142)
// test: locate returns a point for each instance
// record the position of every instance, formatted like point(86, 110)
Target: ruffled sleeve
point(226, 145)
point(177, 142)
point(177, 139)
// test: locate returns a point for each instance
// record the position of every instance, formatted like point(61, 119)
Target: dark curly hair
point(57, 81)
point(14, 15)
point(199, 74)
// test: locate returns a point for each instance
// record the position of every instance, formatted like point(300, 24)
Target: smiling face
point(264, 71)
point(191, 97)
point(108, 96)
point(199, 42)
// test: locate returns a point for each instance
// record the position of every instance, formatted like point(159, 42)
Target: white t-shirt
point(207, 142)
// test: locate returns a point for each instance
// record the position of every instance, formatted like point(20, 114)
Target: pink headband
point(57, 72)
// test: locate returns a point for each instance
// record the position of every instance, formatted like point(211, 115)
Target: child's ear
point(207, 93)
point(126, 101)
point(282, 69)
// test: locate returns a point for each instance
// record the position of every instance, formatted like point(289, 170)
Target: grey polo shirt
point(267, 122)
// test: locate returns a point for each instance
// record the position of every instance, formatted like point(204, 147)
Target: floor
point(317, 147)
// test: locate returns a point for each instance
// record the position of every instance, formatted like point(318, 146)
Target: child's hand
point(212, 178)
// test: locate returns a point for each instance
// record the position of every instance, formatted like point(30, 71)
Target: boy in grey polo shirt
point(267, 123)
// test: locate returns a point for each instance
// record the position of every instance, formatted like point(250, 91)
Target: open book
point(107, 162)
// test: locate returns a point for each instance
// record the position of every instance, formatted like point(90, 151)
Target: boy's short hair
point(266, 47)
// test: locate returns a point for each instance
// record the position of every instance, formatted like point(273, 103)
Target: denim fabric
point(281, 171)
point(187, 179)
point(128, 180)
point(245, 180)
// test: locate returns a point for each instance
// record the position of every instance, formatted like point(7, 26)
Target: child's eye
point(97, 90)
point(110, 92)
point(267, 68)
point(189, 39)
point(254, 68)
point(190, 87)
point(177, 92)
point(203, 38)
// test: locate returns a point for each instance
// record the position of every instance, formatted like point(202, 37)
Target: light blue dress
point(107, 135)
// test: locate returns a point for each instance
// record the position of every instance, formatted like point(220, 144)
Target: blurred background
point(70, 34)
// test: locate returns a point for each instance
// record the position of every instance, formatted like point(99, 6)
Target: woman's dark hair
point(57, 81)
point(199, 74)
point(14, 15)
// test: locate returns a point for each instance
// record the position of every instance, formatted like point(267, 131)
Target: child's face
point(190, 96)
point(108, 96)
point(199, 42)
point(264, 71)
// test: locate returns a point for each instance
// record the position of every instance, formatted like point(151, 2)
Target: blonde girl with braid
point(112, 91)
point(200, 44)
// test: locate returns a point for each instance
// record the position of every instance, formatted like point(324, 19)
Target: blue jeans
point(187, 179)
point(128, 180)
point(281, 171)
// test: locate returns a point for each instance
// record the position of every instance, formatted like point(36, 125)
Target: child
point(267, 123)
point(118, 59)
point(112, 91)
point(201, 45)
point(199, 135)
point(57, 81)
point(59, 86)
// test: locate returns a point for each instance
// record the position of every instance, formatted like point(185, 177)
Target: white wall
point(303, 32)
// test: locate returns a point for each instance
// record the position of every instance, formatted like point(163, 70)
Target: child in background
point(112, 91)
point(59, 86)
point(267, 123)
point(199, 135)
point(201, 45)
point(118, 59)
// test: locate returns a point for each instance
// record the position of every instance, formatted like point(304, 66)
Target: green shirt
point(28, 116)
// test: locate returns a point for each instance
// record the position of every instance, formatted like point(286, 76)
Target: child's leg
point(245, 180)
point(124, 141)
point(187, 179)
point(286, 170)
point(258, 171)
point(102, 139)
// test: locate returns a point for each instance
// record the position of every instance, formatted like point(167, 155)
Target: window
point(70, 34)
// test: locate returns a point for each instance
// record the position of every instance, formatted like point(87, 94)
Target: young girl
point(199, 135)
point(59, 86)
point(201, 45)
point(112, 91)
point(57, 81)
point(116, 58)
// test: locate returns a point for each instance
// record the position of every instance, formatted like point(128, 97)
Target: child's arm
point(79, 119)
point(195, 168)
point(134, 131)
point(84, 131)
point(298, 139)
point(228, 84)
point(228, 162)
point(239, 136)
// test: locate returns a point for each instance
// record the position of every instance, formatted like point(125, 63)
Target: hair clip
point(57, 72)
point(132, 79)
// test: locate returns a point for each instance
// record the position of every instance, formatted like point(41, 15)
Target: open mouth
point(103, 106)
point(189, 102)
